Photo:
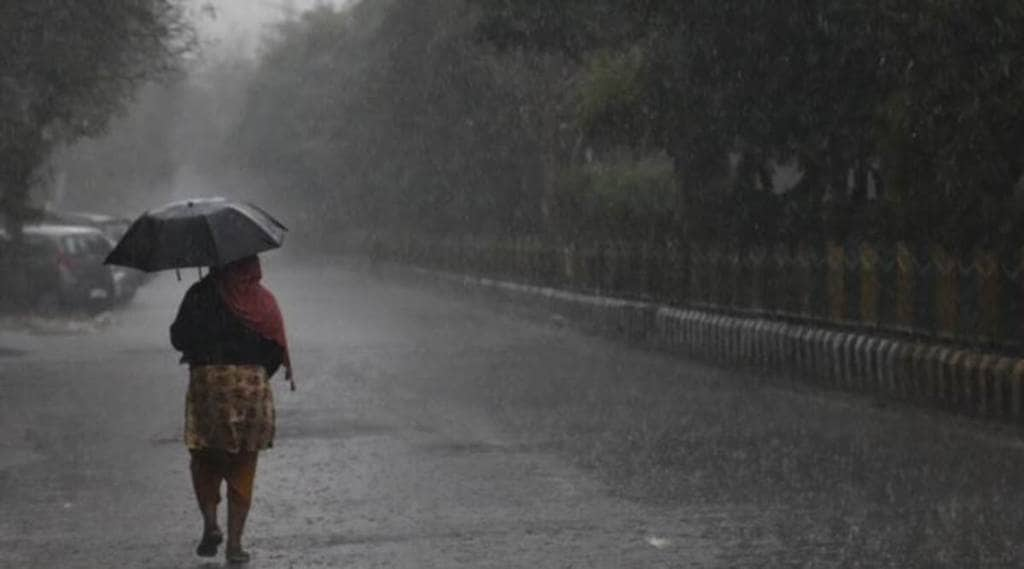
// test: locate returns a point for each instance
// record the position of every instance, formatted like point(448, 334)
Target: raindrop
point(659, 542)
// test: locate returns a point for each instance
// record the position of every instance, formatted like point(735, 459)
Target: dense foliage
point(66, 68)
point(731, 120)
point(389, 115)
point(904, 118)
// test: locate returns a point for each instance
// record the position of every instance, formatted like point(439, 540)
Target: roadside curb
point(965, 381)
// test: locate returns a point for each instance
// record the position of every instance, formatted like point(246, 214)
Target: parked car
point(65, 267)
point(113, 227)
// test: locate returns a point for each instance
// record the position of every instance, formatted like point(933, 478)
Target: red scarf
point(240, 288)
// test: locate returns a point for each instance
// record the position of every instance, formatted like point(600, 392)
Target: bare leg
point(207, 474)
point(241, 472)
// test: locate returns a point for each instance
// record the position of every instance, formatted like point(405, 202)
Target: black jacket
point(208, 333)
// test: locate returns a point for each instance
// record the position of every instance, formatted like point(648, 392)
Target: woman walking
point(231, 333)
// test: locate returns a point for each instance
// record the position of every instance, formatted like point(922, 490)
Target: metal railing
point(973, 299)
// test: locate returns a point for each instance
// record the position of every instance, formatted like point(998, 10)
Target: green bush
point(621, 199)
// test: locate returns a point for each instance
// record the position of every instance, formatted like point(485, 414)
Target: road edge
point(960, 380)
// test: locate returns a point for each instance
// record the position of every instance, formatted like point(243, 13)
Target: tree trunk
point(14, 286)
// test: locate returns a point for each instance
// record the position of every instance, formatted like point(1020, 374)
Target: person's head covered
point(241, 273)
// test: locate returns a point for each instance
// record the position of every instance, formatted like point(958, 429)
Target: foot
point(208, 544)
point(236, 555)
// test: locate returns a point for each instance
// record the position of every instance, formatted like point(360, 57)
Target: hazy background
point(238, 26)
point(574, 124)
point(174, 140)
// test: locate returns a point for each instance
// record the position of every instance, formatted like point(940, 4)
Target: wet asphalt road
point(388, 457)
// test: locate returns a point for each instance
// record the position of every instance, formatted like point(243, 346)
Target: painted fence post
point(870, 287)
point(836, 282)
point(947, 295)
point(905, 278)
point(990, 305)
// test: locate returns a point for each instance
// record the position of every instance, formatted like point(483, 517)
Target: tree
point(460, 116)
point(67, 67)
point(919, 102)
point(389, 117)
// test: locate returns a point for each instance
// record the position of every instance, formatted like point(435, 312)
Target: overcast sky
point(239, 24)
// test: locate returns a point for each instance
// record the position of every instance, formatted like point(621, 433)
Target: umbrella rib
point(262, 211)
point(213, 239)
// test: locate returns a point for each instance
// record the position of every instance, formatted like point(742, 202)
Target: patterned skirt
point(229, 408)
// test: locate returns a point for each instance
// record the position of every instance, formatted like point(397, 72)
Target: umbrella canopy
point(197, 233)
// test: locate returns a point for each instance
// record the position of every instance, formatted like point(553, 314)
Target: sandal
point(208, 544)
point(236, 556)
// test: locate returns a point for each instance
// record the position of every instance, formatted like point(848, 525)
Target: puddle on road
point(166, 440)
point(11, 352)
point(333, 429)
point(69, 325)
point(147, 351)
point(480, 447)
point(13, 456)
point(563, 530)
